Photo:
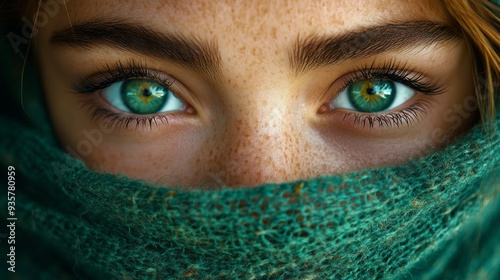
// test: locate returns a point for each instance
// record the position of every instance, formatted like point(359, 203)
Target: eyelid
point(404, 114)
point(108, 75)
point(120, 72)
point(124, 120)
point(393, 119)
point(395, 71)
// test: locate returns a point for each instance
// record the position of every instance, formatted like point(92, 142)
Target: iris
point(372, 95)
point(144, 96)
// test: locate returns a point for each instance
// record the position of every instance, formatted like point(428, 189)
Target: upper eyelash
point(395, 72)
point(117, 73)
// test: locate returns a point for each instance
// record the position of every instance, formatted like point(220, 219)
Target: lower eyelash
point(119, 120)
point(405, 116)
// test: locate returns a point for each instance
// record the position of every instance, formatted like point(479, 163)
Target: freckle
point(273, 33)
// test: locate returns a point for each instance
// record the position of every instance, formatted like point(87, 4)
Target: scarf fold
point(379, 223)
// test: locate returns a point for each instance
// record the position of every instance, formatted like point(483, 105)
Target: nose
point(256, 147)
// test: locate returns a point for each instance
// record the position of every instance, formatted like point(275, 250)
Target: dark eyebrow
point(317, 51)
point(192, 53)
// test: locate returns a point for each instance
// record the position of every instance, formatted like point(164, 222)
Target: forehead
point(212, 18)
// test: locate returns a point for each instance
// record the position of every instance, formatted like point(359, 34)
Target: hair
point(479, 21)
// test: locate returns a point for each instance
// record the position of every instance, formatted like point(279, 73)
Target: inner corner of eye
point(325, 108)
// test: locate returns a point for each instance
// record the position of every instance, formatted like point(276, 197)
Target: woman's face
point(191, 93)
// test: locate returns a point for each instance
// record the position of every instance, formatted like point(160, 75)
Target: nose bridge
point(257, 147)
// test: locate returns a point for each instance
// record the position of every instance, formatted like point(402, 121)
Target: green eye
point(372, 96)
point(142, 97)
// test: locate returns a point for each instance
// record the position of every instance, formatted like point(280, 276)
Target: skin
point(256, 121)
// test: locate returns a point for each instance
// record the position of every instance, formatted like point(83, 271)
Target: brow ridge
point(193, 53)
point(317, 51)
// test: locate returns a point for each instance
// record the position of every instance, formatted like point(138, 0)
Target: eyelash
point(405, 116)
point(117, 73)
point(396, 72)
point(391, 70)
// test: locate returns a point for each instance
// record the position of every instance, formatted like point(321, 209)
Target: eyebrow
point(306, 54)
point(317, 51)
point(193, 53)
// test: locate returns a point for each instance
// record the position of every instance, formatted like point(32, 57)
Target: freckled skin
point(259, 123)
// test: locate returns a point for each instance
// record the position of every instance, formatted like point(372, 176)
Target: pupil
point(146, 92)
point(370, 91)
